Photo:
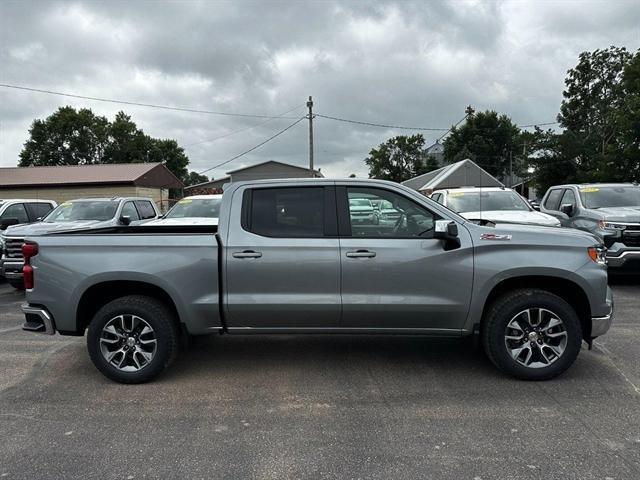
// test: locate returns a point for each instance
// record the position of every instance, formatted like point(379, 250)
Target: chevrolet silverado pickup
point(287, 257)
point(610, 211)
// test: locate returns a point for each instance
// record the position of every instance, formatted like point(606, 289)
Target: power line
point(255, 147)
point(346, 120)
point(139, 104)
point(537, 124)
point(277, 117)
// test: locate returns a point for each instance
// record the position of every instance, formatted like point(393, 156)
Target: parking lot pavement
point(275, 407)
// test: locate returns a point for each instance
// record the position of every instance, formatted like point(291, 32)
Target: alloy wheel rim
point(128, 343)
point(536, 337)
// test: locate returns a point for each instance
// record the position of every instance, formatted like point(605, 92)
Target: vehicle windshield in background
point(195, 207)
point(99, 210)
point(486, 201)
point(603, 197)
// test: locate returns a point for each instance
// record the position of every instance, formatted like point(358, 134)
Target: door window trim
point(329, 214)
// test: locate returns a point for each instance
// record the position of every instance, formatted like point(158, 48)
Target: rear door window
point(145, 209)
point(39, 210)
point(285, 212)
point(553, 199)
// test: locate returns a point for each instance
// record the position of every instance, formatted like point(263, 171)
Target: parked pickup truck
point(75, 214)
point(609, 210)
point(286, 258)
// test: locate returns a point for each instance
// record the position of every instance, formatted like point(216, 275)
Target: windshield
point(99, 210)
point(195, 207)
point(603, 197)
point(359, 202)
point(503, 200)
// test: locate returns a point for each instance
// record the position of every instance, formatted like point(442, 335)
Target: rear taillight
point(29, 250)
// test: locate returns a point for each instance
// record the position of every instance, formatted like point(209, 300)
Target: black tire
point(159, 318)
point(505, 308)
point(17, 284)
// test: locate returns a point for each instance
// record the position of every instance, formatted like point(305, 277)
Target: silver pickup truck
point(286, 257)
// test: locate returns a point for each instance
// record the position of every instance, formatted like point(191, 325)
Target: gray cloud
point(403, 63)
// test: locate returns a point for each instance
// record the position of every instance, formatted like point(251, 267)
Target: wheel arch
point(564, 288)
point(99, 294)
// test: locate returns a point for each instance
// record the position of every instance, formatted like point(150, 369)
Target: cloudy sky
point(407, 63)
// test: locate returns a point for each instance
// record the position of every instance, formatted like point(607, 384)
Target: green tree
point(486, 138)
point(194, 178)
point(127, 143)
point(67, 137)
point(70, 137)
point(398, 159)
point(600, 114)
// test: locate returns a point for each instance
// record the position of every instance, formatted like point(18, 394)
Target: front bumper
point(600, 325)
point(623, 258)
point(38, 320)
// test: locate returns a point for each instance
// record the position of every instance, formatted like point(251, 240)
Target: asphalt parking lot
point(275, 407)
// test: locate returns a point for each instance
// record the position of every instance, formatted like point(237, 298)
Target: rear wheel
point(132, 339)
point(532, 334)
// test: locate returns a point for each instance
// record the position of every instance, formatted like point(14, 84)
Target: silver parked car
point(609, 210)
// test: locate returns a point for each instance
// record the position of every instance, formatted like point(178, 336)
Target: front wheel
point(132, 339)
point(531, 334)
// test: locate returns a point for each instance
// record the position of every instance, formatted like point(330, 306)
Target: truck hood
point(620, 214)
point(40, 228)
point(183, 221)
point(513, 216)
point(537, 235)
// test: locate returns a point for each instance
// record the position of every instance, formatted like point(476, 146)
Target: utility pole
point(310, 106)
point(510, 168)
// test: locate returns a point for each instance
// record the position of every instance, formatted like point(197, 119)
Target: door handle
point(247, 254)
point(361, 254)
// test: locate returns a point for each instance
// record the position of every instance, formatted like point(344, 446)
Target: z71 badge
point(493, 236)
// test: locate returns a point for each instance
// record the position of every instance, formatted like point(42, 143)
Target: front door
point(283, 260)
point(395, 275)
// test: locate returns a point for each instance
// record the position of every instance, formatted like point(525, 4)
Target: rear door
point(283, 259)
point(395, 275)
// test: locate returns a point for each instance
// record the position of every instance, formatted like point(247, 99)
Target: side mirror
point(39, 219)
point(567, 209)
point(125, 219)
point(447, 231)
point(7, 222)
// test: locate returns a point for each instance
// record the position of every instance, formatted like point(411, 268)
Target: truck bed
point(180, 260)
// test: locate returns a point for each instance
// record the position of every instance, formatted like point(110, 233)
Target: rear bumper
point(600, 325)
point(38, 320)
point(11, 269)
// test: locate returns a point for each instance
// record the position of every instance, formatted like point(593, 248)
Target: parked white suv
point(494, 204)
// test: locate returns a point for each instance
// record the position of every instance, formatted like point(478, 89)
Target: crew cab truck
point(287, 258)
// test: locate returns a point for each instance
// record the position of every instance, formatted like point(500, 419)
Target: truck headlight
point(604, 225)
point(598, 255)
